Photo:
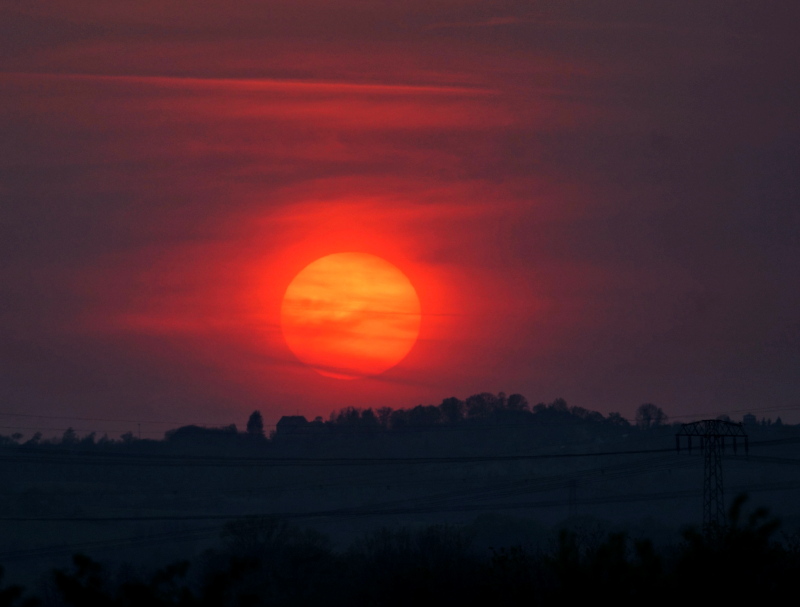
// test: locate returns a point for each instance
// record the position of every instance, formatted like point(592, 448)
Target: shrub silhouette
point(744, 551)
point(11, 596)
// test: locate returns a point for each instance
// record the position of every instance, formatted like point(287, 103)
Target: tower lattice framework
point(712, 434)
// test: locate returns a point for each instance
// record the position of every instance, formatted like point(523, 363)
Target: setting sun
point(350, 315)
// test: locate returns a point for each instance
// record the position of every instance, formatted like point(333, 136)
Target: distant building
point(291, 424)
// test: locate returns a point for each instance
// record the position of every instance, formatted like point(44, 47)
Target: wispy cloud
point(256, 84)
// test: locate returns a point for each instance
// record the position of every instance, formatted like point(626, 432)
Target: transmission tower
point(712, 434)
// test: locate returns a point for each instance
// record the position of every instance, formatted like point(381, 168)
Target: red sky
point(596, 201)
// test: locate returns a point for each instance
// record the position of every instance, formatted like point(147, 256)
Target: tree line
point(488, 408)
point(484, 409)
point(261, 560)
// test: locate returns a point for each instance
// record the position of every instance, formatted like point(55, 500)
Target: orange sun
point(350, 315)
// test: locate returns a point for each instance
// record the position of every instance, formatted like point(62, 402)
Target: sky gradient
point(595, 200)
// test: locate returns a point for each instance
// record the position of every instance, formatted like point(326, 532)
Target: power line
point(747, 410)
point(62, 456)
point(385, 510)
point(605, 472)
point(22, 454)
point(762, 459)
point(437, 503)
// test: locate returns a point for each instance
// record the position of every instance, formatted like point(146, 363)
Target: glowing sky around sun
point(594, 201)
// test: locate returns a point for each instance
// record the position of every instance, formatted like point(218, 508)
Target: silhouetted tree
point(349, 416)
point(558, 408)
point(396, 567)
point(481, 406)
point(255, 424)
point(352, 419)
point(34, 440)
point(744, 551)
point(517, 402)
point(398, 419)
point(452, 410)
point(587, 415)
point(650, 416)
point(616, 419)
point(615, 571)
point(424, 416)
point(10, 595)
point(85, 586)
point(69, 438)
point(7, 440)
point(273, 562)
point(89, 583)
point(384, 415)
point(369, 419)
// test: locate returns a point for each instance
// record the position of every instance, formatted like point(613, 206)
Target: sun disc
point(350, 315)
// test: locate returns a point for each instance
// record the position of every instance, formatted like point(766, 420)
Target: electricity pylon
point(712, 434)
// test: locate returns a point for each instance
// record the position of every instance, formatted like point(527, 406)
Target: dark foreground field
point(535, 502)
point(266, 561)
